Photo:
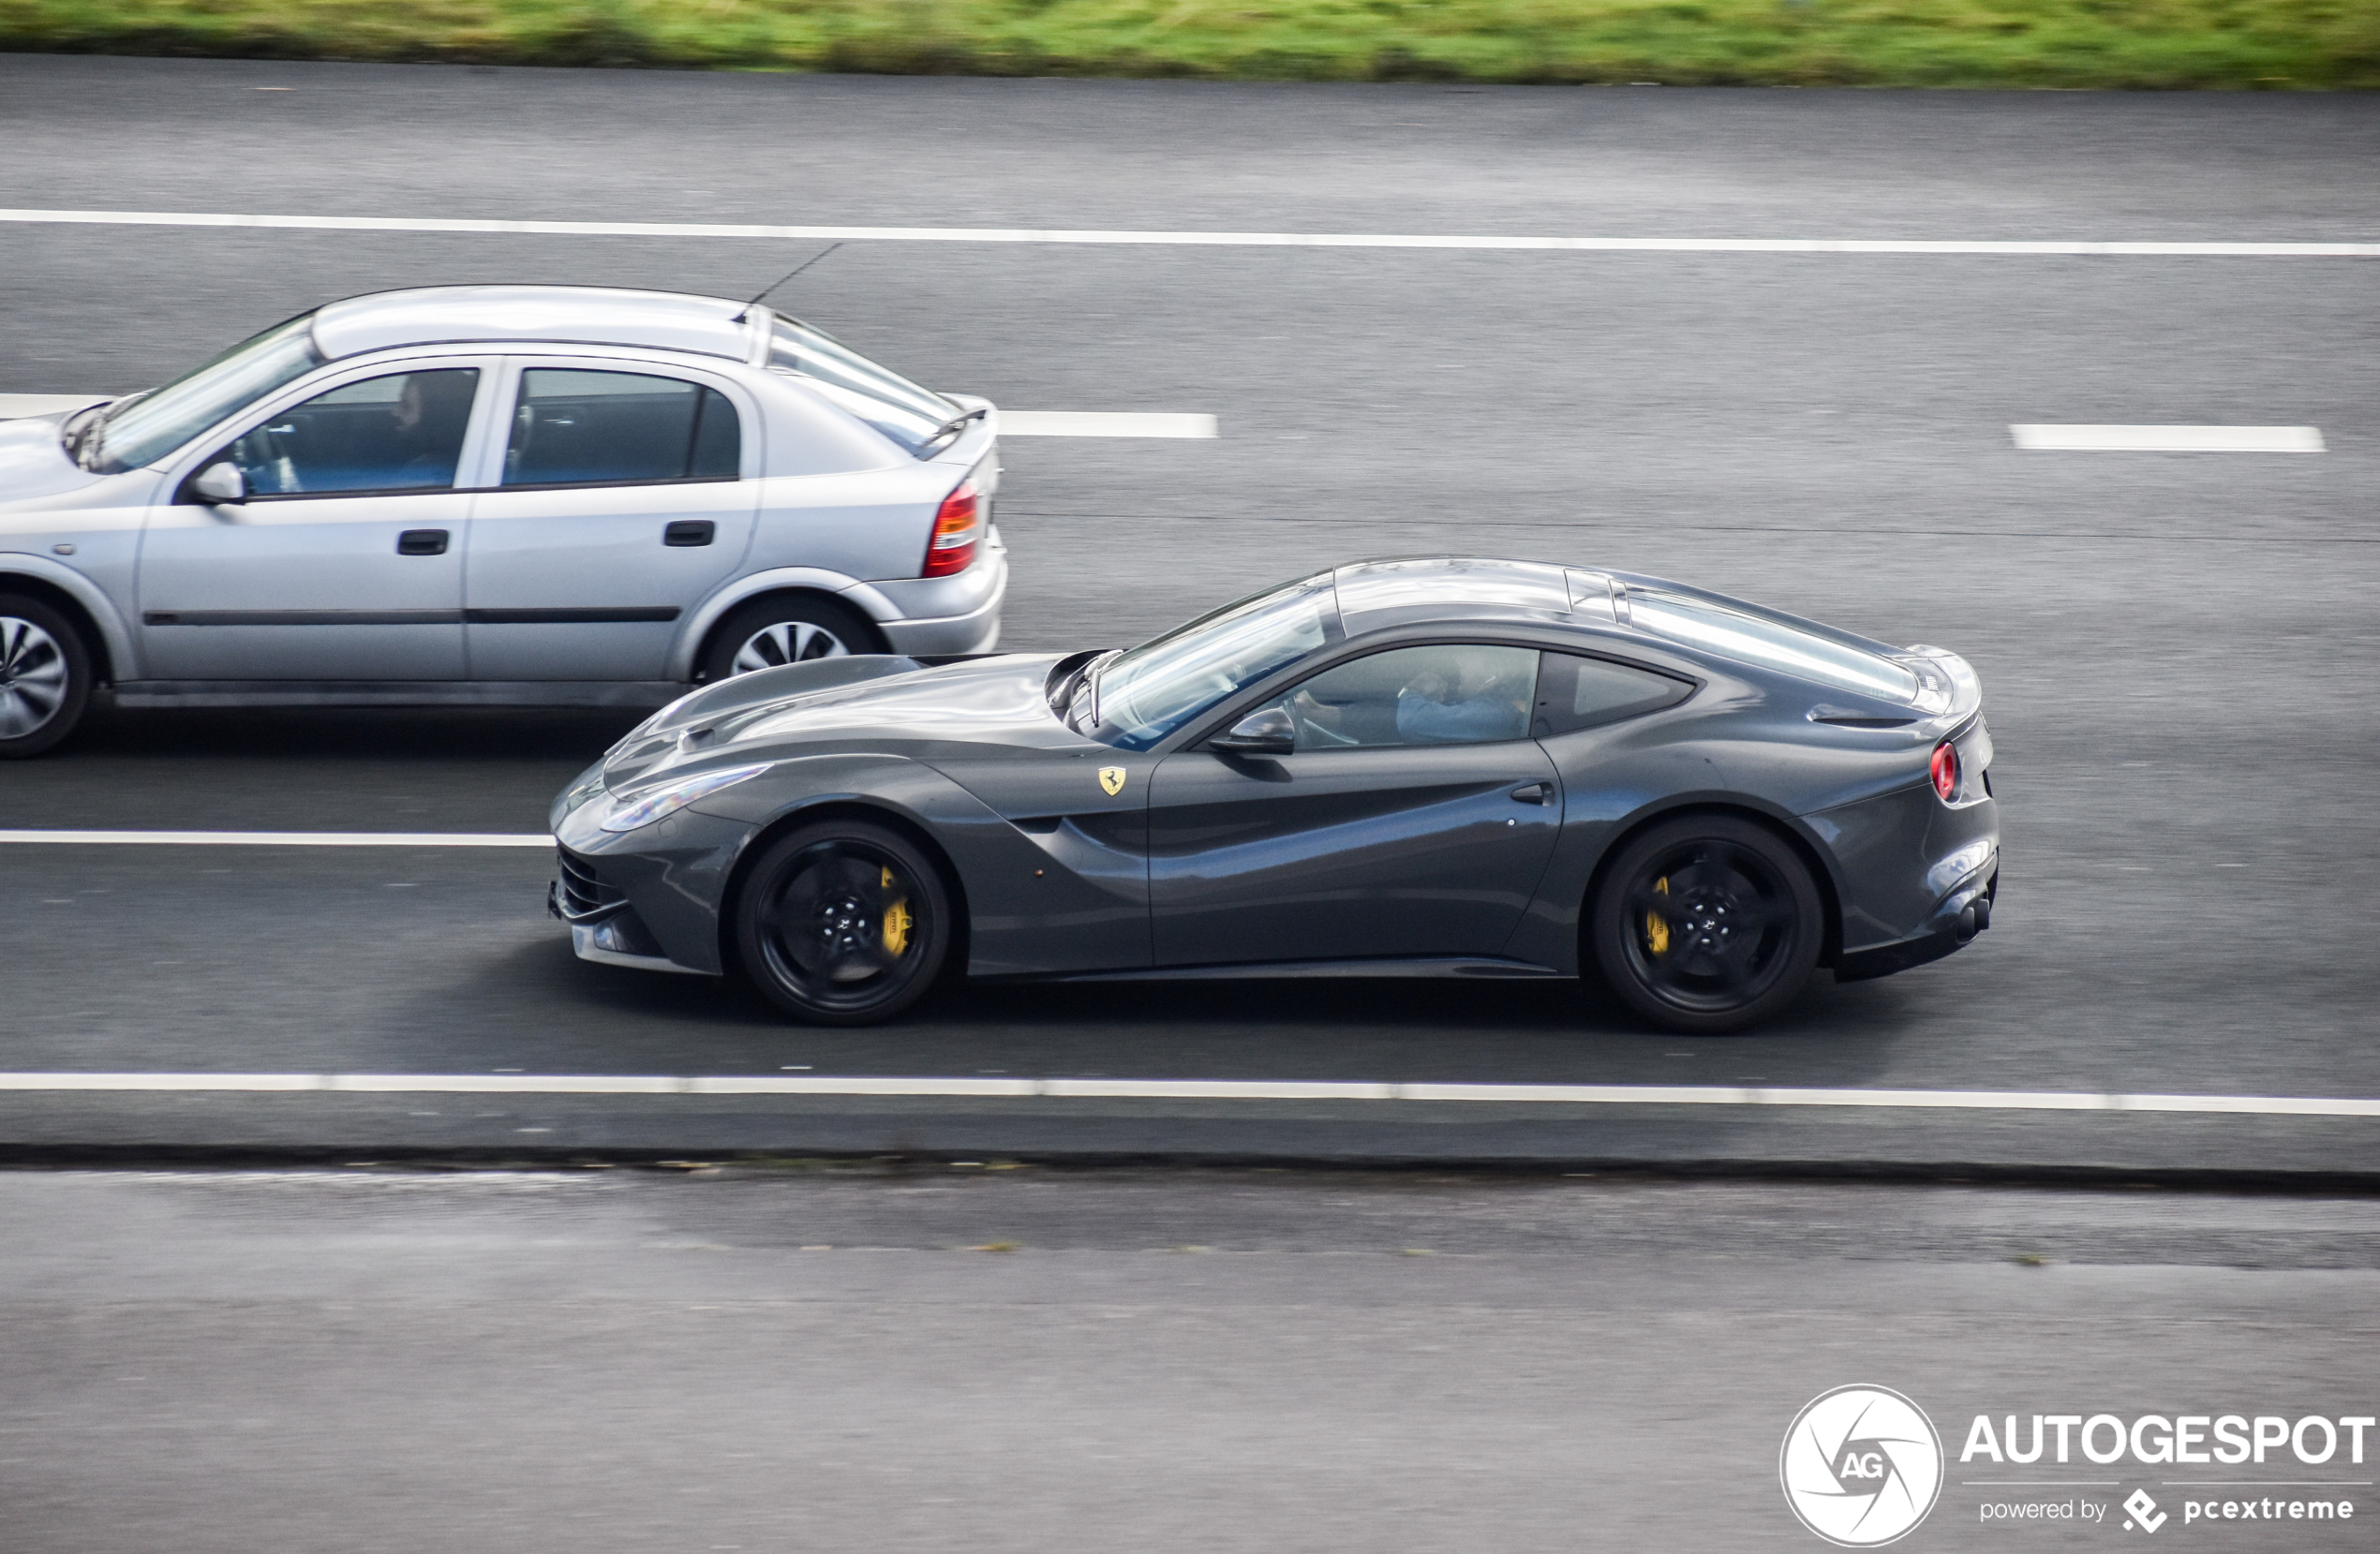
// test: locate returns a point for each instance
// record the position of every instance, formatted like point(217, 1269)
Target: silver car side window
point(573, 426)
point(403, 432)
point(1447, 693)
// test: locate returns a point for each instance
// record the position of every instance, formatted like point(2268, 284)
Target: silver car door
point(626, 494)
point(344, 560)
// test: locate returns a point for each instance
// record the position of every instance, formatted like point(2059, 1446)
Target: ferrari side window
point(1444, 694)
point(1578, 692)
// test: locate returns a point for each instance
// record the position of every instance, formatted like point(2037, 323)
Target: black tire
point(844, 923)
point(1743, 942)
point(45, 676)
point(790, 629)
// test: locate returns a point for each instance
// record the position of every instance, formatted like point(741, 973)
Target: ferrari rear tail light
point(959, 531)
point(1946, 770)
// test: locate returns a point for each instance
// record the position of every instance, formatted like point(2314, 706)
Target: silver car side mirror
point(220, 484)
point(1266, 731)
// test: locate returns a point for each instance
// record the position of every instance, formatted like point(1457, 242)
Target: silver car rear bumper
point(974, 629)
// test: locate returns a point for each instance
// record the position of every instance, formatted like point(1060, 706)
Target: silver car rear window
point(1767, 643)
point(901, 410)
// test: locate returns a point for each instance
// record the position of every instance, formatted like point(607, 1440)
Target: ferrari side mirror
point(1266, 731)
point(220, 484)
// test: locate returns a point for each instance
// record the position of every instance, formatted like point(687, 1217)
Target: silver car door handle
point(1535, 792)
point(422, 542)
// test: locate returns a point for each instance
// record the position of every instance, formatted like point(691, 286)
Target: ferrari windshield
point(143, 430)
point(1143, 695)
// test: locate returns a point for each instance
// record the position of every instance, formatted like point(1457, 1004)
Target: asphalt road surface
point(2177, 649)
point(1211, 1361)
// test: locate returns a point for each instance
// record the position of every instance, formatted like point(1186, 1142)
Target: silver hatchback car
point(529, 495)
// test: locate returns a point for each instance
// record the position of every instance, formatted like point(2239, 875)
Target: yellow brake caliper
point(1657, 927)
point(896, 921)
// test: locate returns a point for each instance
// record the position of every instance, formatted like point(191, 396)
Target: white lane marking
point(283, 838)
point(15, 405)
point(2168, 440)
point(1105, 424)
point(1227, 240)
point(1190, 1089)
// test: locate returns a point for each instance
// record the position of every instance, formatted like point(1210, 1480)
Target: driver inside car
point(1438, 695)
point(1453, 707)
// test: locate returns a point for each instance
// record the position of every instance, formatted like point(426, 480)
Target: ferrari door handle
point(1535, 792)
point(690, 532)
point(422, 542)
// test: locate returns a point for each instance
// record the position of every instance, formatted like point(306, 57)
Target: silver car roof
point(573, 314)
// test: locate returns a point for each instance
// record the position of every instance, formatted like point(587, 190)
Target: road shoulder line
point(1182, 1089)
point(2018, 246)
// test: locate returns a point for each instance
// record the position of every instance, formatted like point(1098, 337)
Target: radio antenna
point(789, 275)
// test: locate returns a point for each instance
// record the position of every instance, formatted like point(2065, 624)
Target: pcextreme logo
point(1861, 1466)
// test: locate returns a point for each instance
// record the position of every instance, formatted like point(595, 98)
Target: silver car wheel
point(788, 642)
point(32, 677)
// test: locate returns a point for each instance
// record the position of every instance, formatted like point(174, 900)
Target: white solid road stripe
point(1227, 240)
point(2169, 439)
point(1185, 1089)
point(283, 838)
point(41, 405)
point(1105, 424)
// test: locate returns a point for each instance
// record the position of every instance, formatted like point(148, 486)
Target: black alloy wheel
point(844, 923)
point(45, 676)
point(1707, 924)
point(792, 630)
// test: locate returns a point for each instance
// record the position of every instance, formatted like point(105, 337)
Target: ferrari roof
point(1380, 592)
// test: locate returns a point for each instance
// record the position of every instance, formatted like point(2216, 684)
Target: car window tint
point(1576, 692)
point(1444, 694)
point(572, 427)
point(399, 433)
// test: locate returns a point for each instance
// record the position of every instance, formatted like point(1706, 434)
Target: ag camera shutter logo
point(1861, 1466)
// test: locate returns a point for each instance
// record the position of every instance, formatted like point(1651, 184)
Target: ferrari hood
point(839, 705)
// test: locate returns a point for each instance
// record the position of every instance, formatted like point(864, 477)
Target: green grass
point(2268, 44)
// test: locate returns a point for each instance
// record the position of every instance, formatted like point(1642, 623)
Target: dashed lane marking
point(13, 406)
point(1105, 424)
point(1225, 240)
point(282, 838)
point(2168, 440)
point(1181, 1090)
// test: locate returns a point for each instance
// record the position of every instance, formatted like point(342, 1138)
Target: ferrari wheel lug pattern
point(1707, 924)
point(844, 923)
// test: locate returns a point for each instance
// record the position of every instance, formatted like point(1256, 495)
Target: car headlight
point(589, 783)
point(678, 796)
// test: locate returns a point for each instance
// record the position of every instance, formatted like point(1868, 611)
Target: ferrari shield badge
point(1112, 778)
